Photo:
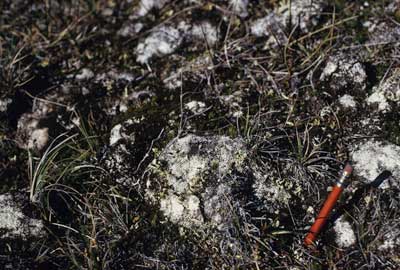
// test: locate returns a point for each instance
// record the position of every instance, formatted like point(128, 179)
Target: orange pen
point(330, 202)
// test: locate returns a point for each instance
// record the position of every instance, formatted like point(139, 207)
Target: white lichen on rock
point(381, 32)
point(195, 106)
point(4, 104)
point(130, 29)
point(166, 39)
point(391, 238)
point(145, 6)
point(187, 171)
point(160, 42)
point(30, 135)
point(84, 74)
point(216, 204)
point(206, 32)
point(196, 67)
point(239, 7)
point(387, 92)
point(185, 211)
point(344, 73)
point(372, 157)
point(267, 188)
point(345, 236)
point(347, 101)
point(233, 103)
point(378, 99)
point(301, 14)
point(14, 224)
point(270, 26)
point(115, 134)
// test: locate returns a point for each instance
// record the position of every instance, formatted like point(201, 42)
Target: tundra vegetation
point(194, 134)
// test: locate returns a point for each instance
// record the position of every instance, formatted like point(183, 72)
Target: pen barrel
point(323, 214)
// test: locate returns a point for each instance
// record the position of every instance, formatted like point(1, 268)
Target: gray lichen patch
point(347, 102)
point(183, 177)
point(381, 32)
point(372, 157)
point(195, 67)
point(185, 212)
point(162, 41)
point(386, 94)
point(30, 135)
point(298, 14)
point(145, 6)
point(302, 13)
point(122, 132)
point(270, 26)
point(344, 74)
point(390, 241)
point(167, 39)
point(206, 32)
point(14, 224)
point(345, 235)
point(4, 104)
point(270, 188)
point(117, 161)
point(239, 7)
